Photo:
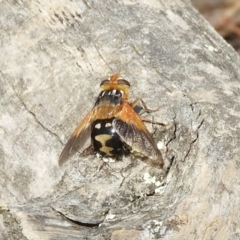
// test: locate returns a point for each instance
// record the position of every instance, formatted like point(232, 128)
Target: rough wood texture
point(53, 56)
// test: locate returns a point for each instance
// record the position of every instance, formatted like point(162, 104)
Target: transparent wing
point(78, 139)
point(132, 130)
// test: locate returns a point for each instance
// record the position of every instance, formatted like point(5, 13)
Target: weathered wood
point(54, 56)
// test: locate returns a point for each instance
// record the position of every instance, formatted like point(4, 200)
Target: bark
point(54, 55)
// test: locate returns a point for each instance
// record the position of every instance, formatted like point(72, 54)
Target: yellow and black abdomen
point(106, 141)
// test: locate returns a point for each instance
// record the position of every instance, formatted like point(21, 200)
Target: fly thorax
point(112, 96)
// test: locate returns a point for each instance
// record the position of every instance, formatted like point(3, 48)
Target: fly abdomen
point(106, 141)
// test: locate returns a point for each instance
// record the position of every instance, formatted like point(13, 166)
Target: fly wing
point(132, 131)
point(78, 139)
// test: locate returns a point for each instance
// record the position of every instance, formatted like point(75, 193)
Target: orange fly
point(114, 126)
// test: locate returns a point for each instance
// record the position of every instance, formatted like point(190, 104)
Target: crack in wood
point(194, 140)
point(33, 115)
point(79, 223)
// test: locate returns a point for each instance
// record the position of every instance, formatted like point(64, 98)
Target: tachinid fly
point(114, 126)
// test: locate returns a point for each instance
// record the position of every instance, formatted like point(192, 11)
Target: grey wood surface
point(54, 55)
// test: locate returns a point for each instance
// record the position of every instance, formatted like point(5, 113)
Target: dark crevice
point(194, 140)
point(174, 134)
point(78, 223)
point(190, 148)
point(200, 125)
point(150, 194)
point(170, 164)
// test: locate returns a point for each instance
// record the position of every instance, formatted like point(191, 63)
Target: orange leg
point(135, 103)
point(144, 106)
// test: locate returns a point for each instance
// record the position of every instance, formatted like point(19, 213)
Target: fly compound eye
point(104, 82)
point(123, 82)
